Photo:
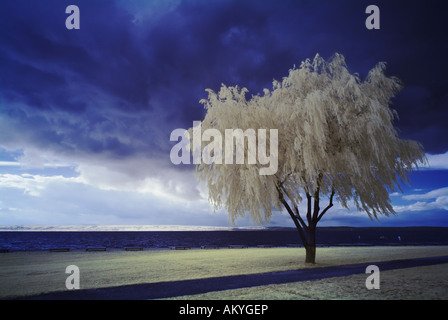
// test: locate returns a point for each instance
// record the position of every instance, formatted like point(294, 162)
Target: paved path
point(169, 289)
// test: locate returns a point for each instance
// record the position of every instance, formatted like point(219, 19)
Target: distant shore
point(31, 273)
point(95, 227)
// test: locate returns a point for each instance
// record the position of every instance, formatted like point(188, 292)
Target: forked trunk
point(307, 233)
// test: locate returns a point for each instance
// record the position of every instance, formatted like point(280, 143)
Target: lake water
point(279, 237)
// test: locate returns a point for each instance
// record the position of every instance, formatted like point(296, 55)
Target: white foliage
point(335, 132)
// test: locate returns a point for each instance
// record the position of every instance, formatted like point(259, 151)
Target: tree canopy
point(336, 139)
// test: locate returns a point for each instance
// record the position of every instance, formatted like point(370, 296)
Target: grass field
point(28, 273)
point(420, 283)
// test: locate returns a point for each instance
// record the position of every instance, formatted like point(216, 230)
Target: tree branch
point(328, 207)
point(296, 209)
point(308, 211)
point(296, 221)
point(296, 212)
point(316, 199)
point(316, 205)
point(295, 215)
point(286, 177)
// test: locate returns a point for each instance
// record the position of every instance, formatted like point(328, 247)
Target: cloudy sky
point(86, 115)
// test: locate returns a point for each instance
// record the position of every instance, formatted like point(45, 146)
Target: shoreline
point(213, 247)
point(174, 228)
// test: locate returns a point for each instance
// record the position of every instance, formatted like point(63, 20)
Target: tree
point(336, 141)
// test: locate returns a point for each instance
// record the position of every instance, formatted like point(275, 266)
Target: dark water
point(330, 236)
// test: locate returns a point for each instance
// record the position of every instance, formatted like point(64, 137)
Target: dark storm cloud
point(43, 60)
point(120, 85)
point(73, 91)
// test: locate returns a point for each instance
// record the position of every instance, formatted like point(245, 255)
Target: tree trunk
point(310, 254)
point(310, 245)
point(307, 233)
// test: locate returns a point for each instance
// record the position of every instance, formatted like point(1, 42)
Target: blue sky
point(86, 115)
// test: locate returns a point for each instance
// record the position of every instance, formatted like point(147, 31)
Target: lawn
point(28, 273)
